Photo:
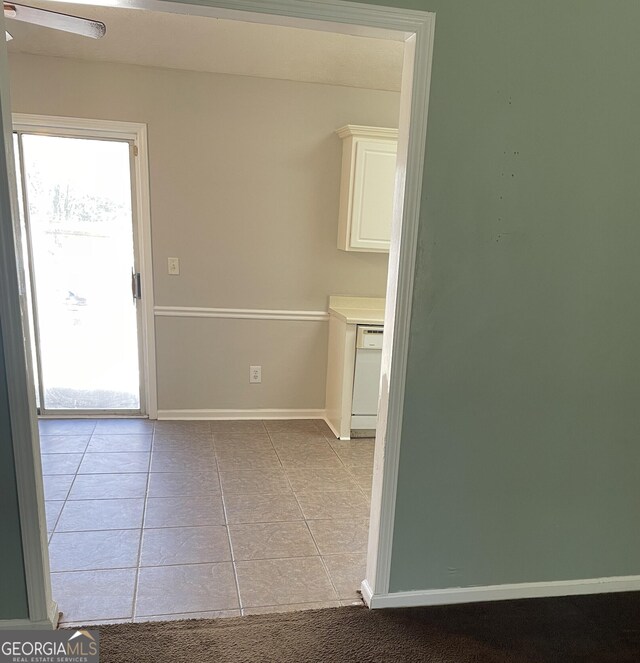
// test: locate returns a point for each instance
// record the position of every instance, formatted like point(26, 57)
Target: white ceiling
point(197, 43)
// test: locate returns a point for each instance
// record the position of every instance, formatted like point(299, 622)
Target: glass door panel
point(80, 227)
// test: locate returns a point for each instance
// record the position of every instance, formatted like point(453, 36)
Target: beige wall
point(244, 190)
point(292, 356)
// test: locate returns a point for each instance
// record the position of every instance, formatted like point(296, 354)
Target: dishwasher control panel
point(369, 337)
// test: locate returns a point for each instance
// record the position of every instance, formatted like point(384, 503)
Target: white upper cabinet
point(366, 190)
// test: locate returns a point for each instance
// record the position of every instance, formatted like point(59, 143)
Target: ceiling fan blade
point(7, 36)
point(49, 19)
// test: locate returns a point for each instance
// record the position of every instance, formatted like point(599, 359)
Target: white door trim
point(416, 29)
point(136, 132)
point(414, 101)
point(22, 409)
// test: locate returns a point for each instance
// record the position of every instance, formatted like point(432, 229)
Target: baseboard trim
point(366, 592)
point(332, 427)
point(187, 415)
point(526, 590)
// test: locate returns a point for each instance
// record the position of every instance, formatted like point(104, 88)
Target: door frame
point(136, 134)
point(416, 29)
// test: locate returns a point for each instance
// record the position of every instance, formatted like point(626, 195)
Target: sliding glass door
point(79, 238)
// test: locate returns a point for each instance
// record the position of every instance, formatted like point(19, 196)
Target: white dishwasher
point(366, 377)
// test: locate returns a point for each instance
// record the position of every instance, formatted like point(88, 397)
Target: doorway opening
point(408, 179)
point(85, 245)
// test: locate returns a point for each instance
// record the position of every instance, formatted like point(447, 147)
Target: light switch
point(173, 266)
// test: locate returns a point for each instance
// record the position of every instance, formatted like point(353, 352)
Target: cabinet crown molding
point(369, 132)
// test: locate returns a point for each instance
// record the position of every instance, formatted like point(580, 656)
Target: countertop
point(357, 310)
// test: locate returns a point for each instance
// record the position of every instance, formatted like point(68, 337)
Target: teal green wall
point(520, 457)
point(13, 592)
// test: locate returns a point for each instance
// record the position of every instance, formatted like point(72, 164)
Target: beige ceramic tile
point(108, 486)
point(355, 452)
point(183, 461)
point(271, 540)
point(180, 441)
point(291, 442)
point(323, 428)
point(188, 448)
point(123, 426)
point(105, 443)
point(309, 456)
point(66, 426)
point(182, 427)
point(365, 484)
point(83, 551)
point(178, 484)
point(237, 426)
point(340, 536)
point(284, 440)
point(239, 439)
point(242, 448)
point(339, 504)
point(165, 590)
point(184, 545)
point(257, 508)
point(86, 515)
point(283, 582)
point(292, 426)
point(63, 444)
point(313, 462)
point(84, 596)
point(56, 486)
point(242, 459)
point(60, 463)
point(320, 479)
point(184, 488)
point(265, 481)
point(347, 571)
point(191, 511)
point(52, 508)
point(361, 471)
point(114, 463)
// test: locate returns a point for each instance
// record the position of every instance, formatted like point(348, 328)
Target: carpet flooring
point(589, 629)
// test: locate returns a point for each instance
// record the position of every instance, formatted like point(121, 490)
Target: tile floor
point(161, 520)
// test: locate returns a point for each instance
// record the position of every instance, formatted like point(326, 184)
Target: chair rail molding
point(239, 313)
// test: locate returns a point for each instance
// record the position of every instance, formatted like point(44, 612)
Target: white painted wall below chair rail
point(244, 180)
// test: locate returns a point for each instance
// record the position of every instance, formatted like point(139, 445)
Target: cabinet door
point(373, 187)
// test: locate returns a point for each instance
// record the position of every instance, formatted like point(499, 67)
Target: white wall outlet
point(255, 374)
point(173, 266)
